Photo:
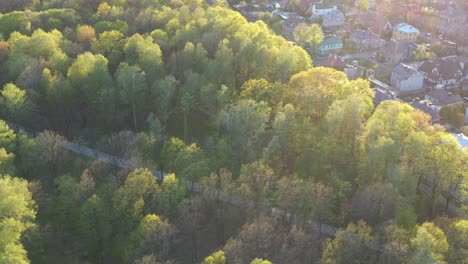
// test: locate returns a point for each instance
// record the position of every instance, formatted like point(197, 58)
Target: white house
point(321, 9)
point(407, 79)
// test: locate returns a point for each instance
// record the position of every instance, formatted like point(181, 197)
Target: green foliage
point(457, 237)
point(7, 137)
point(308, 35)
point(430, 245)
point(17, 214)
point(13, 100)
point(216, 258)
point(351, 245)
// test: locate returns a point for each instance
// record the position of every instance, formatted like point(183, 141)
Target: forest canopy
point(266, 159)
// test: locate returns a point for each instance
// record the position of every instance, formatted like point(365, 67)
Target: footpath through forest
point(325, 229)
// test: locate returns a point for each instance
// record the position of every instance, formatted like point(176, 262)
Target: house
point(406, 79)
point(405, 31)
point(463, 61)
point(455, 32)
point(320, 9)
point(441, 98)
point(364, 40)
point(330, 44)
point(333, 61)
point(333, 19)
point(354, 71)
point(442, 72)
point(373, 21)
point(396, 51)
point(453, 15)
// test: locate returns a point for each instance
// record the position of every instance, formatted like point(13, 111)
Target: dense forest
point(268, 159)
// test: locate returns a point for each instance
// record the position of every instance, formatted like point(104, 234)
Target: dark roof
point(363, 34)
point(382, 95)
point(372, 20)
point(441, 69)
point(400, 46)
point(444, 98)
point(334, 61)
point(405, 71)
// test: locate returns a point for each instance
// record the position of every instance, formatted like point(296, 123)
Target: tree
point(154, 237)
point(133, 90)
point(351, 245)
point(364, 5)
point(91, 83)
point(7, 137)
point(457, 238)
point(216, 258)
point(421, 54)
point(308, 35)
point(18, 212)
point(13, 100)
point(429, 246)
point(7, 162)
point(256, 185)
point(243, 124)
point(84, 35)
point(260, 261)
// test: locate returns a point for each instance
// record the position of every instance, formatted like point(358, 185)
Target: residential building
point(453, 15)
point(406, 79)
point(442, 72)
point(320, 9)
point(333, 61)
point(354, 71)
point(441, 98)
point(333, 19)
point(330, 44)
point(364, 40)
point(373, 21)
point(405, 31)
point(396, 51)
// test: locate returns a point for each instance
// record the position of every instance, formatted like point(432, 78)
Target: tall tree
point(18, 212)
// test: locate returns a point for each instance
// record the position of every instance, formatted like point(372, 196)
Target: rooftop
point(324, 6)
point(405, 71)
point(444, 98)
point(407, 28)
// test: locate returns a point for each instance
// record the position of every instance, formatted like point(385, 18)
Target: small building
point(364, 40)
point(441, 98)
point(405, 31)
point(333, 19)
point(320, 9)
point(406, 79)
point(330, 44)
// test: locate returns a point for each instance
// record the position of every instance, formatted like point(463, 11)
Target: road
point(325, 229)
